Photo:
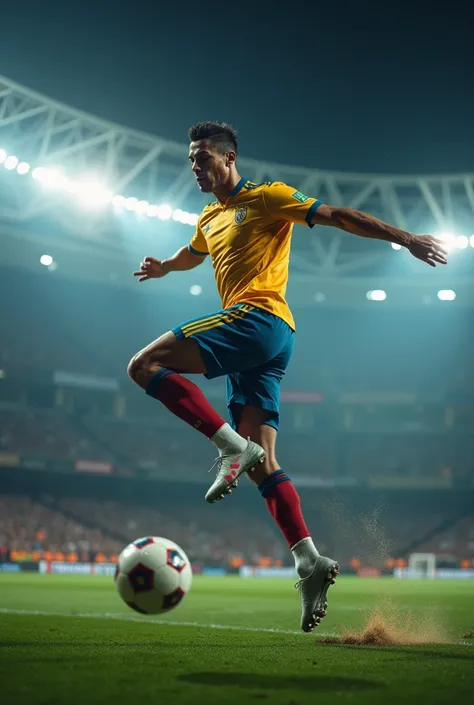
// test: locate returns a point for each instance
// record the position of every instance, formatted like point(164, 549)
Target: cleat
point(230, 466)
point(313, 591)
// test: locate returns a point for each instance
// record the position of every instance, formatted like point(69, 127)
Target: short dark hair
point(222, 135)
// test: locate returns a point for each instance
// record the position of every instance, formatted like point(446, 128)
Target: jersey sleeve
point(285, 202)
point(198, 244)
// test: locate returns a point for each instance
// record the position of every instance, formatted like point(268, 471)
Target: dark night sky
point(341, 85)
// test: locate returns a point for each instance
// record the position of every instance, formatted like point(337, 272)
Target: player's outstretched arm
point(427, 248)
point(152, 268)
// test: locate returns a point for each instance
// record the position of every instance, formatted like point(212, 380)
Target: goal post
point(423, 565)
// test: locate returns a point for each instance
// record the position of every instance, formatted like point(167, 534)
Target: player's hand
point(429, 249)
point(150, 268)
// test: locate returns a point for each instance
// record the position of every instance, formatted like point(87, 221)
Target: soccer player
point(247, 233)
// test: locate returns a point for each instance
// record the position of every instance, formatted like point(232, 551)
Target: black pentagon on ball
point(173, 598)
point(135, 607)
point(141, 543)
point(175, 559)
point(141, 578)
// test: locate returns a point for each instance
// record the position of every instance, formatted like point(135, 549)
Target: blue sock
point(155, 381)
point(271, 480)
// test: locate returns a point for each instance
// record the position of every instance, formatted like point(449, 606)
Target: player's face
point(211, 169)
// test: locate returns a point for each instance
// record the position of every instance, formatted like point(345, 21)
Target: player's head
point(212, 153)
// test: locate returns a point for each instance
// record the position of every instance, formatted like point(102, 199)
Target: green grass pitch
point(68, 639)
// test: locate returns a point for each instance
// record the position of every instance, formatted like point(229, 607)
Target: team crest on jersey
point(240, 214)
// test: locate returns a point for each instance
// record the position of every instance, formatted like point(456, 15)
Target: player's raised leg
point(156, 370)
point(316, 572)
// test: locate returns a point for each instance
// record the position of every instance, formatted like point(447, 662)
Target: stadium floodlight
point(131, 203)
point(448, 238)
point(164, 212)
point(152, 211)
point(187, 218)
point(471, 240)
point(54, 178)
point(72, 187)
point(191, 218)
point(93, 195)
point(396, 246)
point(462, 242)
point(319, 297)
point(195, 290)
point(178, 215)
point(11, 163)
point(377, 295)
point(118, 201)
point(3, 155)
point(23, 168)
point(38, 173)
point(46, 260)
point(142, 206)
point(446, 295)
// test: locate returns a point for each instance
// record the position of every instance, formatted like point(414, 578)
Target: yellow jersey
point(249, 238)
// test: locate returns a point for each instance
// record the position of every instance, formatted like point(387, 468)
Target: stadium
point(377, 434)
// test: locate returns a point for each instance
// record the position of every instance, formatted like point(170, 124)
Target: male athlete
point(247, 232)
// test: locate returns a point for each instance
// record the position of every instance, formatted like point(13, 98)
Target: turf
point(89, 647)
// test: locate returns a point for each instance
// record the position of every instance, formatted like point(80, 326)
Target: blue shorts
point(252, 347)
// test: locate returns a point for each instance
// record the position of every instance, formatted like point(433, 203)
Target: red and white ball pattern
point(153, 575)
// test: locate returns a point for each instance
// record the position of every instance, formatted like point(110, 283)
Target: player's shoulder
point(273, 185)
point(253, 186)
point(268, 188)
point(208, 209)
point(209, 206)
point(261, 190)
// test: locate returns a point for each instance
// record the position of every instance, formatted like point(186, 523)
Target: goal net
point(423, 565)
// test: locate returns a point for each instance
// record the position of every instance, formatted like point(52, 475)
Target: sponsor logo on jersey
point(299, 196)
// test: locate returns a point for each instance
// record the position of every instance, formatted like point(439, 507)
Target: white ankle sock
point(304, 553)
point(227, 440)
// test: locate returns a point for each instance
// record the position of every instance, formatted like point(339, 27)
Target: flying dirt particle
point(401, 629)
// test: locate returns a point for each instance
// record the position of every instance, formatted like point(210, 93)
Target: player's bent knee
point(133, 367)
point(139, 368)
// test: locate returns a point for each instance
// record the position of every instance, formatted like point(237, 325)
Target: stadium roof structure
point(137, 173)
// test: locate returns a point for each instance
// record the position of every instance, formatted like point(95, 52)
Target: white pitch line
point(173, 623)
point(145, 620)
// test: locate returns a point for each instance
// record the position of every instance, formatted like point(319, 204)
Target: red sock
point(283, 502)
point(185, 400)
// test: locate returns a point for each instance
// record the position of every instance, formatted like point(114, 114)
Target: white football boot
point(313, 592)
point(230, 466)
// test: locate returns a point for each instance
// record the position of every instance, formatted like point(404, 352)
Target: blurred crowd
point(35, 528)
point(74, 529)
point(52, 434)
point(87, 529)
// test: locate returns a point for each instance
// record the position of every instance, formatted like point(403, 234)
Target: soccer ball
point(153, 575)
